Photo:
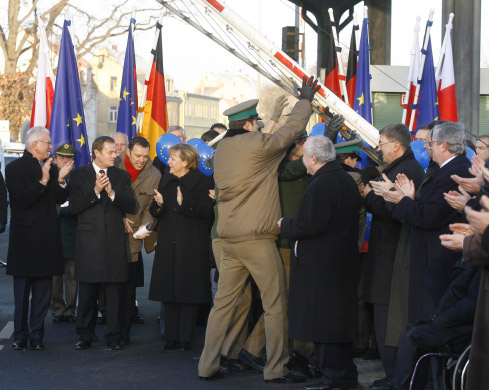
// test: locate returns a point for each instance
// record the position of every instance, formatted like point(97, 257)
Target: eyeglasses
point(430, 143)
point(385, 143)
point(48, 143)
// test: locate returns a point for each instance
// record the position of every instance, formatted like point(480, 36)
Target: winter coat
point(181, 266)
point(35, 235)
point(102, 246)
point(246, 173)
point(324, 272)
point(144, 187)
point(430, 215)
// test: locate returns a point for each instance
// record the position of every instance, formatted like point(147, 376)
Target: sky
point(188, 53)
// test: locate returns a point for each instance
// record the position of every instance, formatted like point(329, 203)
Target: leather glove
point(334, 126)
point(309, 88)
point(2, 227)
point(280, 104)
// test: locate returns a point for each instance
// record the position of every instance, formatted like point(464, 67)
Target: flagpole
point(365, 16)
point(427, 36)
point(139, 122)
point(448, 28)
point(337, 49)
point(413, 55)
point(355, 23)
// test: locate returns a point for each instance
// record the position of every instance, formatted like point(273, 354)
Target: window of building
point(113, 114)
point(113, 83)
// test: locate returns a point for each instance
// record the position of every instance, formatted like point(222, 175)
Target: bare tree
point(19, 34)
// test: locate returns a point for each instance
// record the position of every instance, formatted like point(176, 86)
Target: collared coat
point(35, 235)
point(102, 246)
point(476, 254)
point(144, 186)
point(181, 266)
point(246, 173)
point(385, 231)
point(430, 215)
point(324, 273)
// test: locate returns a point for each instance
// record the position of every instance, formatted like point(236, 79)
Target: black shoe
point(224, 365)
point(57, 319)
point(19, 345)
point(234, 364)
point(251, 361)
point(289, 378)
point(319, 386)
point(184, 346)
point(170, 346)
point(82, 345)
point(69, 319)
point(37, 345)
point(135, 319)
point(218, 375)
point(115, 345)
point(386, 383)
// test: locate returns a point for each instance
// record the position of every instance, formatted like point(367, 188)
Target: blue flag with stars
point(127, 115)
point(363, 101)
point(428, 109)
point(67, 118)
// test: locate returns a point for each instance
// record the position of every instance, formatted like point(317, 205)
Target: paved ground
point(142, 365)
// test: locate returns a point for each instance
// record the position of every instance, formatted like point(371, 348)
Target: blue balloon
point(164, 143)
point(317, 129)
point(470, 153)
point(205, 154)
point(195, 142)
point(420, 153)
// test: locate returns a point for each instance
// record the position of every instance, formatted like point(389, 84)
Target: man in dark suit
point(35, 254)
point(100, 195)
point(324, 263)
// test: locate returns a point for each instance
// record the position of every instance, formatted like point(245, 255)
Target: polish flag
point(447, 100)
point(413, 83)
point(43, 98)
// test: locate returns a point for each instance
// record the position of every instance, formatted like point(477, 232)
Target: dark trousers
point(64, 291)
point(87, 310)
point(40, 288)
point(335, 361)
point(180, 319)
point(415, 341)
point(128, 298)
point(387, 354)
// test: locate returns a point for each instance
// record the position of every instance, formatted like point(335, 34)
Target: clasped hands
point(392, 192)
point(102, 183)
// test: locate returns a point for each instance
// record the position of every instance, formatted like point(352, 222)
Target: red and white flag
point(43, 98)
point(447, 99)
point(412, 79)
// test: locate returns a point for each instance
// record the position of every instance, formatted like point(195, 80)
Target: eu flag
point(67, 118)
point(428, 98)
point(127, 115)
point(363, 102)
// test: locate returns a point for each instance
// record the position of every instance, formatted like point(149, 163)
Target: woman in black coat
point(180, 277)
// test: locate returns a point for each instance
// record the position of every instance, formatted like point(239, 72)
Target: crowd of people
point(283, 214)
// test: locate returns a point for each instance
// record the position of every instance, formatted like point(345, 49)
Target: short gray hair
point(177, 128)
point(123, 134)
point(320, 147)
point(453, 133)
point(34, 134)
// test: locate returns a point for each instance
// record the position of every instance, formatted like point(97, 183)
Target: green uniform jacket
point(68, 224)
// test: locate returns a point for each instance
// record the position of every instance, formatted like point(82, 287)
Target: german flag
point(155, 119)
point(332, 81)
point(351, 72)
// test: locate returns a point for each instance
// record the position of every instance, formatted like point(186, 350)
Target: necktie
point(102, 172)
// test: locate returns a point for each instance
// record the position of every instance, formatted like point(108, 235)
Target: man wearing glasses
point(482, 147)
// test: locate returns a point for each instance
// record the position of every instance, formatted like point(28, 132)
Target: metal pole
point(341, 72)
point(413, 56)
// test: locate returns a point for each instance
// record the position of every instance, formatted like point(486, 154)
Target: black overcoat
point(385, 232)
point(430, 215)
point(181, 266)
point(324, 274)
point(35, 235)
point(102, 246)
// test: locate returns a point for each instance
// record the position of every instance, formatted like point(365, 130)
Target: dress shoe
point(250, 360)
point(224, 366)
point(218, 375)
point(37, 345)
point(386, 383)
point(233, 364)
point(82, 344)
point(322, 386)
point(170, 346)
point(57, 319)
point(184, 346)
point(289, 378)
point(19, 345)
point(69, 319)
point(115, 345)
